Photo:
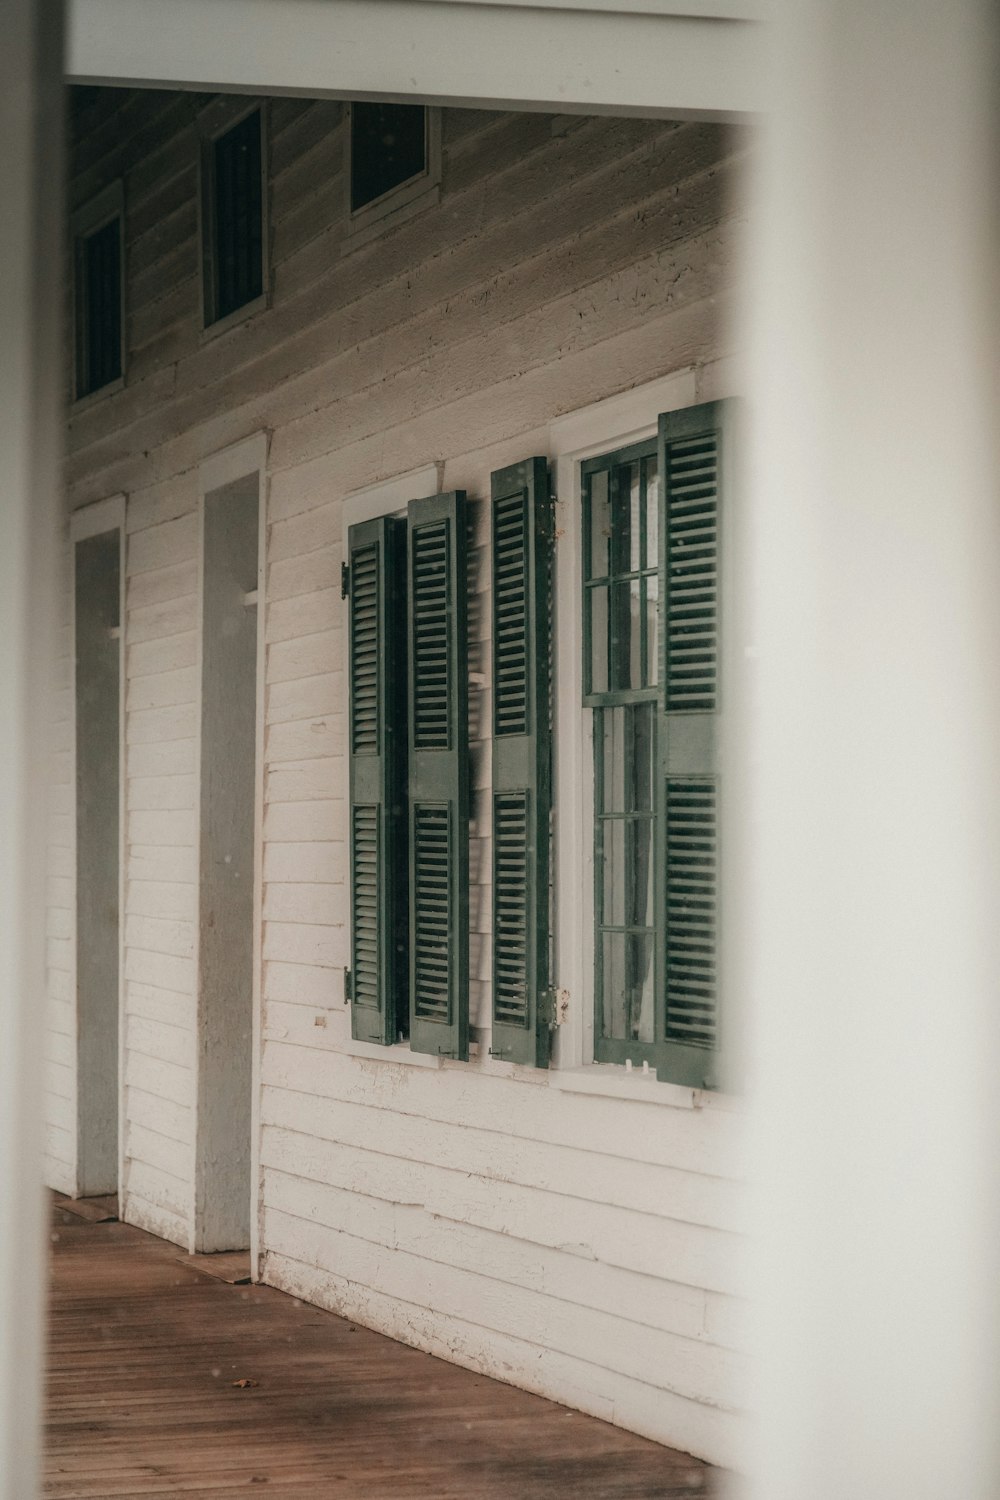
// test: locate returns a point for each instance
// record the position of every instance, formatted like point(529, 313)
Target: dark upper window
point(235, 204)
point(98, 307)
point(388, 147)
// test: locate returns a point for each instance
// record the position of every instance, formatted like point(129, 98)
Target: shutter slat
point(522, 533)
point(439, 777)
point(692, 462)
point(377, 743)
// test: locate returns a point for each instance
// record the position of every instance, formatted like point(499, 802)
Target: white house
point(295, 319)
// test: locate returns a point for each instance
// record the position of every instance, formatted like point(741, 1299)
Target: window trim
point(400, 203)
point(214, 121)
point(90, 217)
point(606, 427)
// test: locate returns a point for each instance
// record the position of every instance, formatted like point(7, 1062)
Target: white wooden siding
point(161, 724)
point(582, 1246)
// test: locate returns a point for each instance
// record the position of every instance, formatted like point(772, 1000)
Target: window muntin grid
point(621, 502)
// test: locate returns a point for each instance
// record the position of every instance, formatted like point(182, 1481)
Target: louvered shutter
point(377, 730)
point(522, 778)
point(439, 776)
point(695, 455)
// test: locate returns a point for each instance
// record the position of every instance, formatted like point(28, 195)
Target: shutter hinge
point(345, 580)
point(556, 1003)
point(348, 986)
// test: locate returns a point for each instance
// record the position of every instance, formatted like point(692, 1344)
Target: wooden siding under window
point(581, 1246)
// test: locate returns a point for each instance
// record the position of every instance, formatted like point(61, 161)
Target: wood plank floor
point(163, 1381)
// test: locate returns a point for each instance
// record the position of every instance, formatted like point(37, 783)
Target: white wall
point(578, 1244)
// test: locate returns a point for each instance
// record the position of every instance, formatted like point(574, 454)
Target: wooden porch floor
point(146, 1355)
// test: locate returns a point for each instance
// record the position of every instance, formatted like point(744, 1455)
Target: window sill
point(236, 317)
point(84, 403)
point(363, 227)
point(614, 1082)
point(399, 1052)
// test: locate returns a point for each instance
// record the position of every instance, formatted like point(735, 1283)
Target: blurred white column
point(870, 813)
point(30, 444)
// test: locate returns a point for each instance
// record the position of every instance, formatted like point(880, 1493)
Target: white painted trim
point(621, 419)
point(122, 831)
point(199, 668)
point(248, 456)
point(390, 495)
point(257, 1003)
point(399, 1052)
point(731, 10)
point(614, 1082)
point(92, 520)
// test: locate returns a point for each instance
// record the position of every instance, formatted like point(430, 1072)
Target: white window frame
point(400, 203)
point(87, 220)
point(603, 427)
point(214, 121)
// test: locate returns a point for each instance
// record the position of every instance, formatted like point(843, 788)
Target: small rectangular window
point(99, 306)
point(234, 216)
point(389, 146)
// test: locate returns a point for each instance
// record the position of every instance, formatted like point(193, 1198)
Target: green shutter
point(694, 461)
point(522, 579)
point(439, 776)
point(377, 749)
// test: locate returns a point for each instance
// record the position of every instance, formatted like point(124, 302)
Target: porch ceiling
point(678, 58)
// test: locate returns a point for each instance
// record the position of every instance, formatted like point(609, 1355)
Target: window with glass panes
point(651, 677)
point(234, 209)
point(621, 496)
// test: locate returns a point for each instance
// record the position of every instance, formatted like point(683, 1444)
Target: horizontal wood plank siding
point(582, 1246)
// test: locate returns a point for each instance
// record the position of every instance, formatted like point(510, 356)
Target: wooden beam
point(655, 57)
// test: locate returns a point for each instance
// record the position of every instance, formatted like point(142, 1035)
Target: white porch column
point(30, 443)
point(871, 803)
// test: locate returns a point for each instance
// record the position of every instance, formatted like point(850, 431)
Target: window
point(650, 678)
point(233, 218)
point(621, 497)
point(388, 147)
point(408, 678)
point(98, 293)
point(395, 165)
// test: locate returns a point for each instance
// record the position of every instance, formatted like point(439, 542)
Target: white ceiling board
point(645, 59)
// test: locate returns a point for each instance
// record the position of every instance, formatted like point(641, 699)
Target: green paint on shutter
point(439, 776)
point(522, 535)
point(695, 456)
point(377, 744)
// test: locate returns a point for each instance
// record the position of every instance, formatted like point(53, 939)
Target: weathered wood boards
point(146, 1397)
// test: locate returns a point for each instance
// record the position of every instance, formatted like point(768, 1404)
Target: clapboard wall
point(577, 1244)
